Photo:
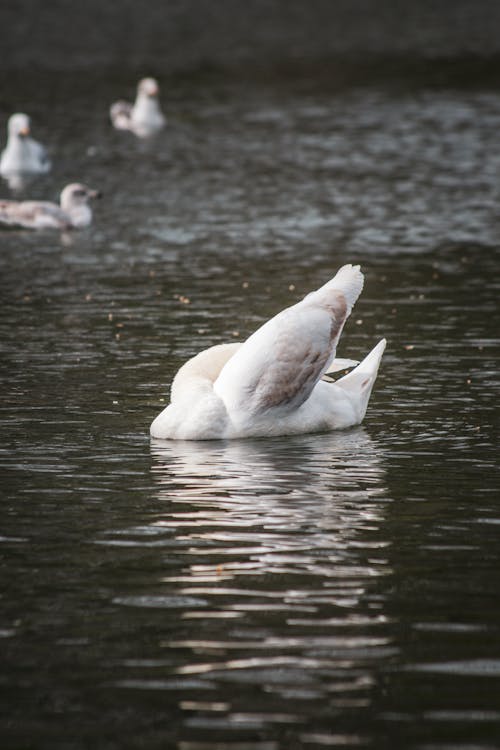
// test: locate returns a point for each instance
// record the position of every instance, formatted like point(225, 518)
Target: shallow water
point(329, 590)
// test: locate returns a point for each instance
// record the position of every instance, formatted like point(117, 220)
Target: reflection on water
point(275, 552)
point(264, 508)
point(19, 181)
point(315, 591)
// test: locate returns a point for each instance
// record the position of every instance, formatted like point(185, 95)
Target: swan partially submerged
point(73, 212)
point(274, 383)
point(144, 117)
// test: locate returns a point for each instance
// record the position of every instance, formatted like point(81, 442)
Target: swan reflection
point(271, 553)
point(277, 505)
point(277, 525)
point(311, 464)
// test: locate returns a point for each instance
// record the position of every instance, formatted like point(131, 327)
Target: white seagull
point(276, 382)
point(144, 117)
point(22, 154)
point(73, 212)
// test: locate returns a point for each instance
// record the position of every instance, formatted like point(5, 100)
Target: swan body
point(22, 153)
point(274, 383)
point(144, 117)
point(73, 212)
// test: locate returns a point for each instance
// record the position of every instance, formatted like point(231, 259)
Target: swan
point(144, 117)
point(276, 382)
point(73, 212)
point(22, 154)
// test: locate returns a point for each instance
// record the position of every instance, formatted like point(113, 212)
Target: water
point(318, 591)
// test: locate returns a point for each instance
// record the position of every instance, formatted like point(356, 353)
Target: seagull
point(22, 154)
point(278, 381)
point(73, 212)
point(144, 117)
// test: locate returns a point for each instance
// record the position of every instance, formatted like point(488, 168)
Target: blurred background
point(260, 35)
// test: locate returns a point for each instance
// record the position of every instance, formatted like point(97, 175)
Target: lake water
point(329, 590)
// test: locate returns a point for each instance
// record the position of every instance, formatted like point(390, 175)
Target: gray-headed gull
point(144, 117)
point(73, 212)
point(276, 382)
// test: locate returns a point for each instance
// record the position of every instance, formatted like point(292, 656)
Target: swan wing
point(279, 365)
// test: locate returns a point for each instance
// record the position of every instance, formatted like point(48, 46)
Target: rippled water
point(329, 590)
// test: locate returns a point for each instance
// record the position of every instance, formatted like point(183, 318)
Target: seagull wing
point(39, 156)
point(32, 215)
point(279, 365)
point(120, 113)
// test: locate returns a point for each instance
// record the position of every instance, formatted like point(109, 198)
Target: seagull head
point(148, 87)
point(77, 194)
point(19, 125)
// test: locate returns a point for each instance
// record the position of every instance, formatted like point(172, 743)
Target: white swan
point(144, 117)
point(272, 384)
point(22, 153)
point(73, 212)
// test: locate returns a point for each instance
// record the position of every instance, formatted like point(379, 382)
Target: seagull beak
point(94, 194)
point(24, 132)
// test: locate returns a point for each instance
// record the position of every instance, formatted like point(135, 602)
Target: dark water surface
point(320, 591)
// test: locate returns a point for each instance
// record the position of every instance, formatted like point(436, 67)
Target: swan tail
point(359, 383)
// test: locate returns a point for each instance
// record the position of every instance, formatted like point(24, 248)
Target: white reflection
point(304, 504)
point(19, 181)
point(322, 465)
